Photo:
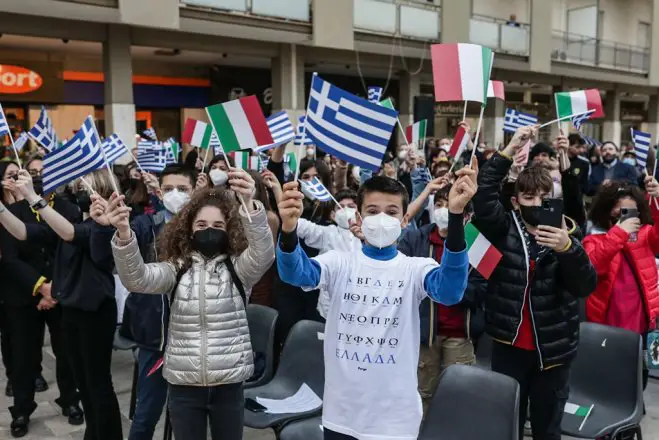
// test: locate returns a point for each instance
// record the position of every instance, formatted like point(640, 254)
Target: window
point(643, 34)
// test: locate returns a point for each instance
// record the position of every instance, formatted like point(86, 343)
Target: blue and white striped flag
point(281, 129)
point(301, 138)
point(114, 148)
point(20, 142)
point(515, 120)
point(170, 146)
point(347, 126)
point(642, 143)
point(154, 160)
point(4, 125)
point(374, 93)
point(150, 133)
point(578, 120)
point(591, 142)
point(143, 146)
point(43, 132)
point(77, 158)
point(316, 190)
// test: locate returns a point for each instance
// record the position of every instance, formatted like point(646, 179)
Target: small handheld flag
point(461, 72)
point(300, 138)
point(316, 190)
point(579, 411)
point(114, 148)
point(240, 124)
point(578, 120)
point(197, 133)
point(4, 125)
point(374, 93)
point(514, 120)
point(460, 142)
point(150, 133)
point(642, 143)
point(482, 255)
point(416, 132)
point(281, 129)
point(154, 160)
point(578, 103)
point(496, 90)
point(21, 141)
point(43, 132)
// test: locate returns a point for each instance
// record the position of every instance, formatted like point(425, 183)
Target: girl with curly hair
point(622, 248)
point(213, 252)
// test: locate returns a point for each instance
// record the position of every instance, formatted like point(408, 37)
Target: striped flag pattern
point(114, 148)
point(21, 141)
point(240, 124)
point(642, 143)
point(197, 133)
point(150, 133)
point(416, 132)
point(461, 72)
point(316, 190)
point(143, 146)
point(173, 149)
point(43, 132)
point(496, 90)
point(4, 125)
point(578, 120)
point(347, 126)
point(301, 139)
point(579, 102)
point(460, 142)
point(514, 120)
point(154, 160)
point(281, 129)
point(374, 93)
point(483, 256)
point(77, 158)
point(591, 142)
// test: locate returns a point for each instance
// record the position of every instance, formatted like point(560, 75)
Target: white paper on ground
point(302, 401)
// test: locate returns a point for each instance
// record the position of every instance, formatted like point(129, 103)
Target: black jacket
point(25, 262)
point(558, 281)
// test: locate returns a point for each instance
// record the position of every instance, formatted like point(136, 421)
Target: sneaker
point(19, 426)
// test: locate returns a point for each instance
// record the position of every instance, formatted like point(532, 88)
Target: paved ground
point(48, 424)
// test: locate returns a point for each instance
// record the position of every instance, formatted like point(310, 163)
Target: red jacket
point(605, 253)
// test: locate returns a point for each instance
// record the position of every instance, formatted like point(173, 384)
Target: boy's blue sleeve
point(296, 268)
point(446, 284)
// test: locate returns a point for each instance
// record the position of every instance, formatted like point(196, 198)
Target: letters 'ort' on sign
point(17, 80)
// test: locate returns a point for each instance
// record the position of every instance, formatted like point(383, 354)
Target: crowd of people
point(385, 265)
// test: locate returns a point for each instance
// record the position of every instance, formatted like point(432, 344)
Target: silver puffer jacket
point(208, 341)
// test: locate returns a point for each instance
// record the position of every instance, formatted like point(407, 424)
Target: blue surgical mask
point(629, 161)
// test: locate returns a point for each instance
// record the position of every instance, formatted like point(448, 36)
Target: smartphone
point(254, 406)
point(552, 213)
point(627, 213)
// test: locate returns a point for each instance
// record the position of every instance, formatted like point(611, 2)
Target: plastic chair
point(472, 403)
point(606, 373)
point(262, 321)
point(301, 362)
point(308, 429)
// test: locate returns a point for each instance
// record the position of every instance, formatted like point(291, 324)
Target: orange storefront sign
point(16, 80)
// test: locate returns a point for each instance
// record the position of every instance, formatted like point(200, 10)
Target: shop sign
point(16, 80)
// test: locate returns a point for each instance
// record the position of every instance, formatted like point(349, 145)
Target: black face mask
point(132, 183)
point(531, 214)
point(210, 242)
point(37, 183)
point(83, 200)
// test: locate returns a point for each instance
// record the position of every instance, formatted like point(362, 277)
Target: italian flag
point(576, 410)
point(496, 90)
point(461, 72)
point(241, 159)
point(197, 133)
point(388, 103)
point(291, 160)
point(460, 142)
point(482, 255)
point(240, 124)
point(416, 132)
point(578, 103)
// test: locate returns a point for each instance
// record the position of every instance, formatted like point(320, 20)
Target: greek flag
point(301, 139)
point(641, 146)
point(591, 142)
point(281, 129)
point(43, 132)
point(515, 120)
point(316, 190)
point(114, 148)
point(154, 160)
point(578, 120)
point(77, 158)
point(374, 93)
point(4, 125)
point(143, 146)
point(172, 149)
point(347, 126)
point(150, 133)
point(21, 141)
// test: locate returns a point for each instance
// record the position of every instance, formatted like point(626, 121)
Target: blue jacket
point(416, 243)
point(621, 172)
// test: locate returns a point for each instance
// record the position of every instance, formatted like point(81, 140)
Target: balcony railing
point(298, 10)
point(404, 18)
point(579, 49)
point(499, 35)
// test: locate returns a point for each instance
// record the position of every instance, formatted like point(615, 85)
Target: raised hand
point(356, 227)
point(242, 184)
point(118, 215)
point(98, 209)
point(202, 181)
point(551, 237)
point(152, 184)
point(651, 186)
point(464, 188)
point(25, 187)
point(272, 182)
point(522, 136)
point(290, 206)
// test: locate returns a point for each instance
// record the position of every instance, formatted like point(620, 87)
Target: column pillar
point(410, 86)
point(119, 104)
point(653, 118)
point(288, 91)
point(540, 46)
point(612, 127)
point(455, 20)
point(554, 128)
point(493, 122)
point(653, 75)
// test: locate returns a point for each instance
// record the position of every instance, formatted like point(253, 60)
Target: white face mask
point(355, 173)
point(402, 154)
point(218, 177)
point(381, 230)
point(310, 152)
point(175, 200)
point(343, 217)
point(440, 217)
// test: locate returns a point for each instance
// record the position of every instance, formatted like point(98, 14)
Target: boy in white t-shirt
point(372, 331)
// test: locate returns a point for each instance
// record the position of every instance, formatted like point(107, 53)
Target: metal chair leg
point(133, 392)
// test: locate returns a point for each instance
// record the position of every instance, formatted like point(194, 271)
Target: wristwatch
point(39, 204)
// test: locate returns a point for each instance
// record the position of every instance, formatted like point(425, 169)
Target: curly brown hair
point(176, 241)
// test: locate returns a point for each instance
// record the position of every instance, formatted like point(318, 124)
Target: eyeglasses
point(35, 173)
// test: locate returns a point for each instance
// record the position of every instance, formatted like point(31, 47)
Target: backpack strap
point(236, 280)
point(179, 275)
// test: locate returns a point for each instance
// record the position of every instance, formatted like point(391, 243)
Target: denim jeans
point(151, 396)
point(192, 407)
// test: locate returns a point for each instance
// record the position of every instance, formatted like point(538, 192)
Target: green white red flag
point(578, 103)
point(460, 142)
point(496, 89)
point(240, 124)
point(197, 133)
point(461, 72)
point(416, 132)
point(483, 256)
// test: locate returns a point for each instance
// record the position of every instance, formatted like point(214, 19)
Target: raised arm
point(419, 203)
point(12, 224)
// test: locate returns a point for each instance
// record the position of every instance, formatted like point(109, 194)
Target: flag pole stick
point(464, 112)
point(400, 126)
point(565, 117)
point(18, 159)
point(478, 132)
point(203, 166)
point(654, 173)
point(133, 157)
point(296, 151)
point(587, 415)
point(105, 159)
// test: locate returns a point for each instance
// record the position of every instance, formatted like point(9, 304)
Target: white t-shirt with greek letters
point(372, 344)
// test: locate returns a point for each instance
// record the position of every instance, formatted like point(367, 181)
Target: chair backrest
point(302, 359)
point(262, 321)
point(473, 403)
point(608, 366)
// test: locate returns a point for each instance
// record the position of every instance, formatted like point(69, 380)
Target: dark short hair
point(534, 180)
point(346, 194)
point(220, 157)
point(576, 139)
point(541, 148)
point(179, 170)
point(607, 197)
point(604, 144)
point(384, 185)
point(442, 194)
